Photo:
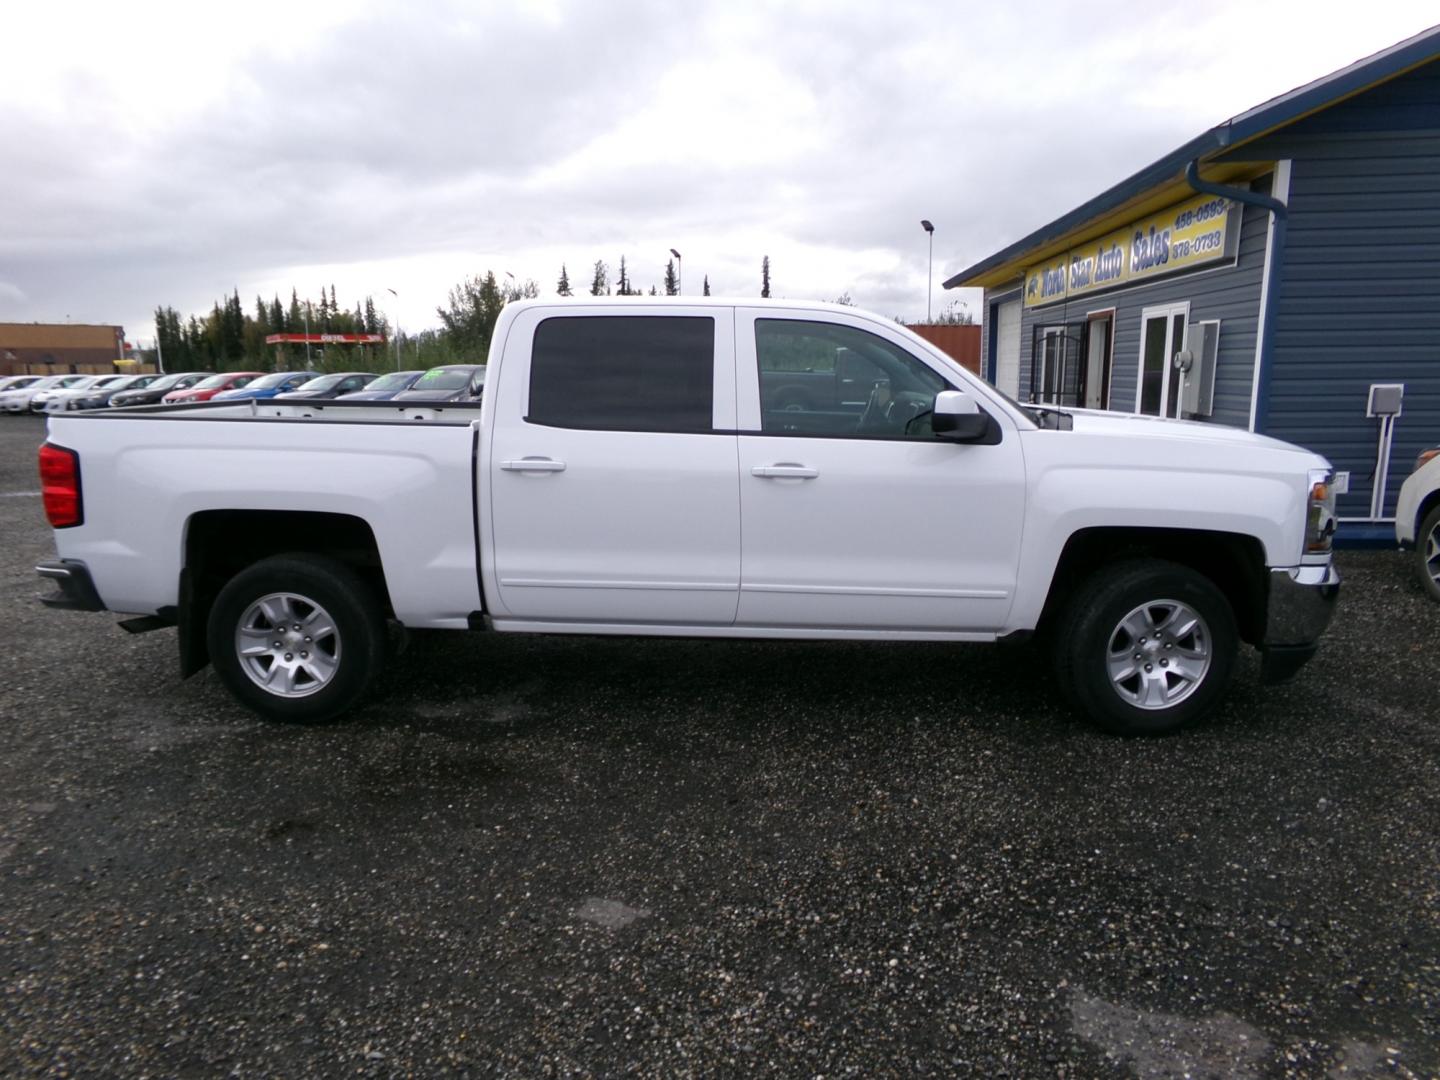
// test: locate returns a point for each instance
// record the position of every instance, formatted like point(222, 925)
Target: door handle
point(785, 471)
point(533, 464)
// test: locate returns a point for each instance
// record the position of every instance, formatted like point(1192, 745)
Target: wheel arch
point(218, 544)
point(1427, 504)
point(1235, 562)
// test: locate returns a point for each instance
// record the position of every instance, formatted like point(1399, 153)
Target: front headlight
point(1320, 518)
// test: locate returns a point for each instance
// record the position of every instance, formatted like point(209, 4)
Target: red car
point(205, 389)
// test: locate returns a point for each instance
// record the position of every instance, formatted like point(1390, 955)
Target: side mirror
point(957, 417)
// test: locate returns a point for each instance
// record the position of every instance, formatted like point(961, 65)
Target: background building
point(1279, 272)
point(44, 349)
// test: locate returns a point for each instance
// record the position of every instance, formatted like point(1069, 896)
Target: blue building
point(1280, 272)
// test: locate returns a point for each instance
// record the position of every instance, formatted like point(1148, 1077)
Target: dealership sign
point(1201, 231)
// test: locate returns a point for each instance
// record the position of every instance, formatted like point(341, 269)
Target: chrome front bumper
point(1299, 608)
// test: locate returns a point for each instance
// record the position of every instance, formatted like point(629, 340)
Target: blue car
point(385, 387)
point(267, 386)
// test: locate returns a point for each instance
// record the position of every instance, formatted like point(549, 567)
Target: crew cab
point(629, 471)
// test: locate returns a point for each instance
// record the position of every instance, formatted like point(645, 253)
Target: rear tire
point(1427, 553)
point(1145, 647)
point(297, 638)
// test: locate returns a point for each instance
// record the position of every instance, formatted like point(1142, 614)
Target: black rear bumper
point(77, 590)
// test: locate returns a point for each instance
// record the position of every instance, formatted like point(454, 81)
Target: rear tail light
point(1426, 456)
point(60, 486)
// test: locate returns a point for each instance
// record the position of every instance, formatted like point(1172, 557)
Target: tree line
point(230, 338)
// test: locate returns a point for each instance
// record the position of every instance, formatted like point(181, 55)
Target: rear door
point(612, 468)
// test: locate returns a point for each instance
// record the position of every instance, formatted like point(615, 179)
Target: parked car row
point(70, 393)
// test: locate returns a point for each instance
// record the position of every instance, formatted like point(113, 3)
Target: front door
point(1162, 335)
point(614, 499)
point(1058, 365)
point(855, 515)
point(1099, 331)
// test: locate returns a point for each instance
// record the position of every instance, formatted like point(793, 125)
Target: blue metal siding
point(1230, 294)
point(1359, 298)
point(1409, 102)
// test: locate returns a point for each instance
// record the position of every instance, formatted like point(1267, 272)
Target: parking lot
point(548, 856)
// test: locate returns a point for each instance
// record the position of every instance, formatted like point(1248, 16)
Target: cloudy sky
point(166, 153)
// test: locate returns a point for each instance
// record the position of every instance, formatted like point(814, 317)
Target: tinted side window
point(823, 379)
point(623, 373)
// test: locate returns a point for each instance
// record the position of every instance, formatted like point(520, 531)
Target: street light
point(930, 281)
point(679, 272)
point(395, 294)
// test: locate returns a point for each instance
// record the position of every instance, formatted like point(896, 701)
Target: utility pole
point(395, 294)
point(307, 336)
point(930, 280)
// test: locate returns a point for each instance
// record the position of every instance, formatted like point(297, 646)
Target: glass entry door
point(1057, 369)
point(1162, 335)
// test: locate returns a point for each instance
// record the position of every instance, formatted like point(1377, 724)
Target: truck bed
point(405, 471)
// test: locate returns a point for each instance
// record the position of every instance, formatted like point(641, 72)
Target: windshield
point(269, 382)
point(166, 382)
point(214, 382)
point(396, 380)
point(131, 382)
point(444, 379)
point(324, 382)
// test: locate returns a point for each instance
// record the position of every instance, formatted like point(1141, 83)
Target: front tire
point(297, 638)
point(1427, 553)
point(1146, 646)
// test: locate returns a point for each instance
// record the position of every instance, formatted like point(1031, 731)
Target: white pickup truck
point(626, 474)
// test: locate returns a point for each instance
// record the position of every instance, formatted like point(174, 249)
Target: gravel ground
point(554, 857)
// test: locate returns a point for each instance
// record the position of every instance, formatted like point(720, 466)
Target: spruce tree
point(765, 277)
point(707, 286)
point(600, 284)
point(563, 285)
point(622, 287)
point(672, 282)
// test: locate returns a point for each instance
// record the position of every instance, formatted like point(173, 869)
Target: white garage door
point(1007, 347)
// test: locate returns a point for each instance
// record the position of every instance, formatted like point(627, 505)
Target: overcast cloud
point(167, 153)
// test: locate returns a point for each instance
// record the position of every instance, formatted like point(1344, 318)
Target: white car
point(64, 399)
point(1417, 518)
point(66, 382)
point(17, 382)
point(18, 401)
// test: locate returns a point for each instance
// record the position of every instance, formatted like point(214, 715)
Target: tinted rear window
point(623, 373)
